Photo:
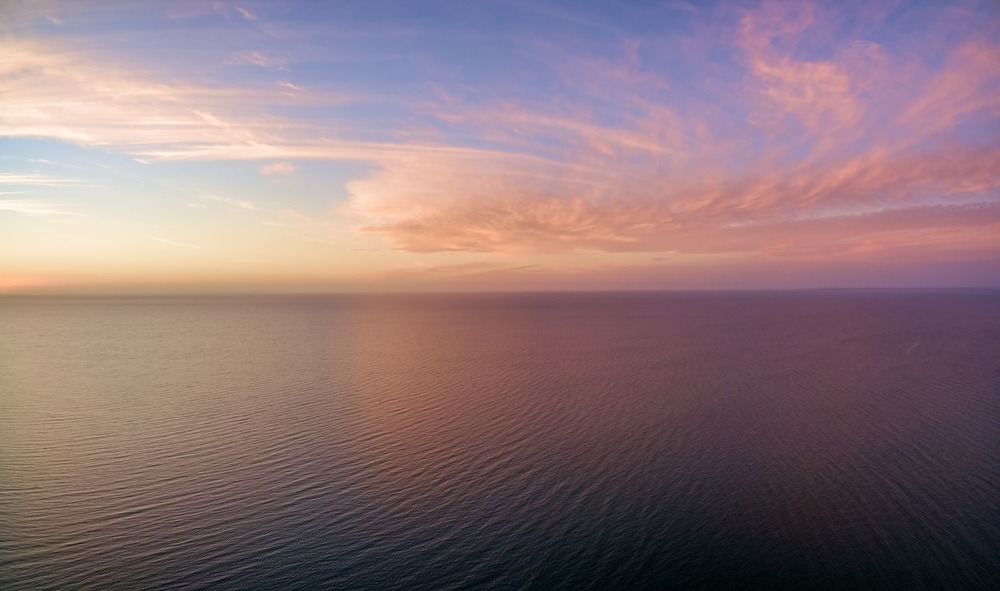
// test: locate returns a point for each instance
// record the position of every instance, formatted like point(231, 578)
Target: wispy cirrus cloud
point(62, 93)
point(239, 203)
point(34, 207)
point(35, 179)
point(245, 13)
point(827, 142)
point(818, 93)
point(53, 90)
point(257, 58)
point(58, 93)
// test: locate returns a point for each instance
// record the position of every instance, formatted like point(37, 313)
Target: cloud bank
point(826, 150)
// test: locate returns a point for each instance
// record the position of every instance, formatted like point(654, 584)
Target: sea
point(826, 439)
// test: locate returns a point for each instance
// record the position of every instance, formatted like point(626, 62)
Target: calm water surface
point(824, 440)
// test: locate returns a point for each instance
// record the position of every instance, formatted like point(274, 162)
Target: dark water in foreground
point(811, 440)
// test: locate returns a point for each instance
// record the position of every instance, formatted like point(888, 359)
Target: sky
point(345, 146)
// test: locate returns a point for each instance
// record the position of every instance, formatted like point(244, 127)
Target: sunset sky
point(520, 145)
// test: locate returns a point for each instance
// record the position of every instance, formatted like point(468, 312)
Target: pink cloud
point(967, 86)
point(818, 93)
point(257, 58)
point(630, 169)
point(442, 208)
